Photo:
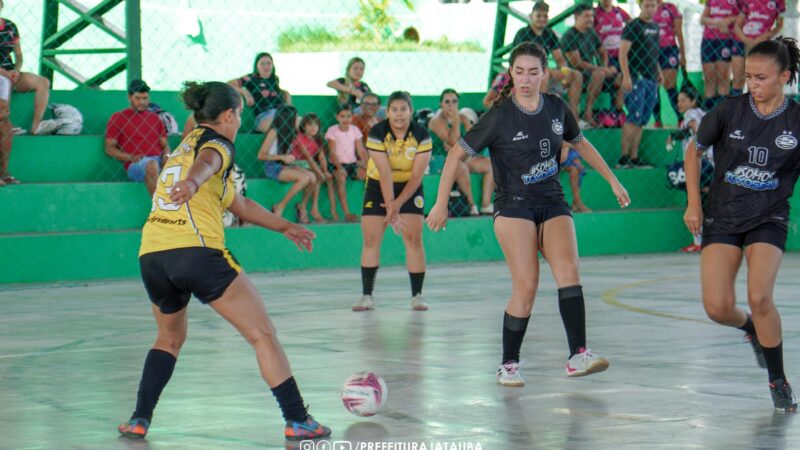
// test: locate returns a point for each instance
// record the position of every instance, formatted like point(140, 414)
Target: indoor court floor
point(71, 356)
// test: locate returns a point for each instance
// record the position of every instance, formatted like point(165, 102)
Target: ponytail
point(505, 92)
point(208, 100)
point(784, 51)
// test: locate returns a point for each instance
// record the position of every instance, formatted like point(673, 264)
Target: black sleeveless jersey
point(756, 164)
point(525, 147)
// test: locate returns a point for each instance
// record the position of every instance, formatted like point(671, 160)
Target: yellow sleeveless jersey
point(197, 223)
point(401, 152)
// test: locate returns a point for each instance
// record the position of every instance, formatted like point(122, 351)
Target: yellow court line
point(609, 297)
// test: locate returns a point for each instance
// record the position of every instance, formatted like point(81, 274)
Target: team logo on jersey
point(619, 17)
point(419, 202)
point(737, 135)
point(731, 2)
point(411, 152)
point(665, 14)
point(557, 127)
point(771, 5)
point(726, 52)
point(786, 141)
point(520, 136)
point(368, 204)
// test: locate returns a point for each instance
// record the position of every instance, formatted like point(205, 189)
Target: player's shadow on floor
point(770, 431)
point(365, 432)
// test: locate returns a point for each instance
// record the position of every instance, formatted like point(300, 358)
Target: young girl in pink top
point(347, 157)
point(758, 21)
point(609, 21)
point(306, 147)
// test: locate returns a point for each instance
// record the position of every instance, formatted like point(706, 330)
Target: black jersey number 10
point(758, 155)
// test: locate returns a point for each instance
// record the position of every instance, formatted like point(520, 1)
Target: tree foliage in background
point(374, 21)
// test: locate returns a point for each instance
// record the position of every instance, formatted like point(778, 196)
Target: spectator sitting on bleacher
point(21, 81)
point(370, 105)
point(6, 136)
point(137, 137)
point(539, 33)
point(306, 148)
point(585, 52)
point(262, 91)
point(348, 157)
point(638, 58)
point(499, 82)
point(447, 127)
point(350, 88)
point(279, 165)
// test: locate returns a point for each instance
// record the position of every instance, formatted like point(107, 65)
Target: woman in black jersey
point(524, 131)
point(756, 165)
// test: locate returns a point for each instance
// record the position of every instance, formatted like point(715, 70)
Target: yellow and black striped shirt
point(197, 223)
point(401, 152)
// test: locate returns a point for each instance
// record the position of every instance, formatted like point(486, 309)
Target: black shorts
point(351, 169)
point(608, 83)
point(373, 197)
point(769, 233)
point(172, 276)
point(538, 215)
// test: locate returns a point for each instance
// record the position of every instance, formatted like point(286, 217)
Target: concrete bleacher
point(76, 198)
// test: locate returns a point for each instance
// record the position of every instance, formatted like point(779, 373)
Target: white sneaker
point(584, 125)
point(473, 210)
point(508, 374)
point(585, 362)
point(365, 303)
point(16, 131)
point(418, 303)
point(487, 209)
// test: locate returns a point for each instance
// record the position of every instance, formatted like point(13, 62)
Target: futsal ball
point(364, 393)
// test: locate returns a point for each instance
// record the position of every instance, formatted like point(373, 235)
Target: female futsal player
point(524, 132)
point(183, 253)
point(756, 165)
point(399, 152)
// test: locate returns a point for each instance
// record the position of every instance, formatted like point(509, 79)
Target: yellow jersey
point(198, 222)
point(401, 152)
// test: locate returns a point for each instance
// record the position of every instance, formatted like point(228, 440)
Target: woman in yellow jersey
point(183, 253)
point(399, 152)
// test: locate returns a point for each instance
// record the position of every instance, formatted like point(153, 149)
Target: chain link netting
point(323, 53)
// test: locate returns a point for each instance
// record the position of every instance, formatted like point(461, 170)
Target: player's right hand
point(437, 217)
point(693, 218)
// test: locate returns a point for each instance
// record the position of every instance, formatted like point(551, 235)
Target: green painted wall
point(98, 255)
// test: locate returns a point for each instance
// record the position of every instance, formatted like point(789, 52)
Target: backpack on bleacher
point(229, 219)
point(67, 120)
point(169, 121)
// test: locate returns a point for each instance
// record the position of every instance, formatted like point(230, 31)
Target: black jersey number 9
point(169, 177)
point(544, 145)
point(758, 155)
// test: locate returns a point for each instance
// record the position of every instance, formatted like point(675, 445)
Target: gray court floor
point(71, 355)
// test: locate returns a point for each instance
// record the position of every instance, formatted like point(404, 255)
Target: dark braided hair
point(784, 51)
point(528, 49)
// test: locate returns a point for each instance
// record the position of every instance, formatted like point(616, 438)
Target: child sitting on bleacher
point(348, 156)
point(306, 148)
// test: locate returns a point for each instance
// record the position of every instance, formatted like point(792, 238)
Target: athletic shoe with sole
point(307, 429)
point(585, 362)
point(508, 374)
point(136, 428)
point(782, 396)
point(418, 303)
point(365, 303)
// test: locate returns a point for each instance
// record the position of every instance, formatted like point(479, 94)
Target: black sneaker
point(782, 396)
point(753, 340)
point(623, 163)
point(638, 164)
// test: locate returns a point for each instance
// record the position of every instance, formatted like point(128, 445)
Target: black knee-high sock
point(416, 282)
point(573, 314)
point(673, 100)
point(748, 326)
point(158, 367)
point(290, 400)
point(368, 279)
point(513, 332)
point(774, 357)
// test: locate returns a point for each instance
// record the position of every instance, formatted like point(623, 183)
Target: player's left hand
point(183, 191)
point(301, 236)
